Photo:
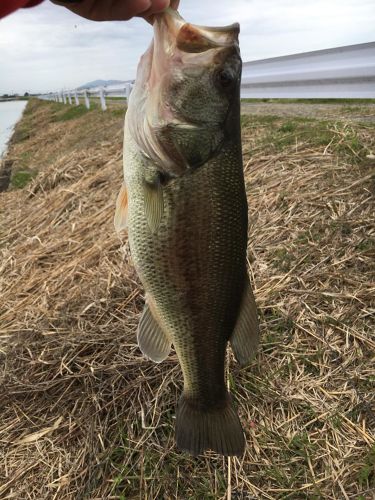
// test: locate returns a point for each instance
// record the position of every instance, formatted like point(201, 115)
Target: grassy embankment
point(84, 415)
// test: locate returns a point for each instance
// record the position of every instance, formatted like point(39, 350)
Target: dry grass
point(84, 415)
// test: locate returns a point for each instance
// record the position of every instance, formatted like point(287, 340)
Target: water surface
point(10, 113)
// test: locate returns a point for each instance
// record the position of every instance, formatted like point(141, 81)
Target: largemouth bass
point(184, 203)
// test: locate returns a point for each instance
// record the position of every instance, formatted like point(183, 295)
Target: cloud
point(47, 48)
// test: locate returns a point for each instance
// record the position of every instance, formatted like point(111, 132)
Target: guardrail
point(342, 72)
point(73, 96)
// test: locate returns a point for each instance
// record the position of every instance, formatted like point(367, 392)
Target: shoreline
point(7, 99)
point(6, 163)
point(12, 127)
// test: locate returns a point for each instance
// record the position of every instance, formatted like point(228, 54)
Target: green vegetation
point(64, 112)
point(21, 178)
point(21, 133)
point(254, 120)
point(129, 465)
point(118, 113)
point(282, 133)
point(288, 127)
point(366, 245)
point(109, 98)
point(366, 476)
point(245, 120)
point(283, 259)
point(70, 112)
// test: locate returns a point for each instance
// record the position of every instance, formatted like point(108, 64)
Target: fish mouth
point(184, 48)
point(173, 30)
point(178, 43)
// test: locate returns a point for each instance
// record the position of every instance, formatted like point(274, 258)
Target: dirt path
point(363, 113)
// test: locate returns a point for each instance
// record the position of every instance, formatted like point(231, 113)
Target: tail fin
point(218, 430)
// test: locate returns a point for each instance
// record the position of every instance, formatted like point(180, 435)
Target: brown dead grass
point(84, 415)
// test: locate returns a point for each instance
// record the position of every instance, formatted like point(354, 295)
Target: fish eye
point(225, 78)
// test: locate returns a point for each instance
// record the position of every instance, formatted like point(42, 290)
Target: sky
point(47, 48)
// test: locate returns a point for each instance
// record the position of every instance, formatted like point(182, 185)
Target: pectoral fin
point(121, 213)
point(154, 204)
point(152, 341)
point(245, 337)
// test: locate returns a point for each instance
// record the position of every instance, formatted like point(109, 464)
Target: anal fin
point(152, 341)
point(245, 337)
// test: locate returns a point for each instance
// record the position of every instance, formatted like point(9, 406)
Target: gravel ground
point(363, 113)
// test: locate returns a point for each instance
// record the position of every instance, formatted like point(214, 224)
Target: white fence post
point(127, 91)
point(69, 97)
point(76, 98)
point(87, 100)
point(64, 97)
point(102, 99)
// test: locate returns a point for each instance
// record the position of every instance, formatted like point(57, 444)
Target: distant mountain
point(99, 83)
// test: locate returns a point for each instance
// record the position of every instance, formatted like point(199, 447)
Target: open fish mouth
point(182, 50)
point(172, 28)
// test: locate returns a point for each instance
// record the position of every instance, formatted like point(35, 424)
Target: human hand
point(116, 10)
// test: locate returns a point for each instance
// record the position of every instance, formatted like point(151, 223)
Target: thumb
point(158, 8)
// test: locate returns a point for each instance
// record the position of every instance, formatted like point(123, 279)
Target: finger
point(123, 10)
point(158, 6)
point(174, 4)
point(155, 7)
